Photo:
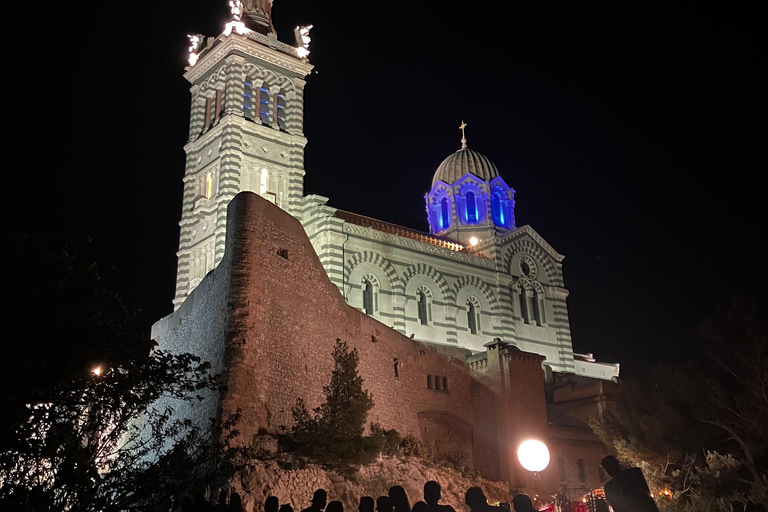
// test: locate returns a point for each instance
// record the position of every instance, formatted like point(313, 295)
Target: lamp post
point(533, 456)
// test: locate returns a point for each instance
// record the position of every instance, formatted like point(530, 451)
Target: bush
point(413, 447)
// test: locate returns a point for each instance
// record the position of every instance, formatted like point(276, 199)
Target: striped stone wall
point(231, 150)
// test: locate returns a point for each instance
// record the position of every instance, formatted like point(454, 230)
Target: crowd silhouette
point(396, 500)
point(627, 491)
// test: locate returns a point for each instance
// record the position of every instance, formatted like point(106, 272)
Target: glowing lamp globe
point(533, 455)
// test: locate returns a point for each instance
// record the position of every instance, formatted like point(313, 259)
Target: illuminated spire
point(463, 135)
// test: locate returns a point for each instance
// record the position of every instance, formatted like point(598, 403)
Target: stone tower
point(245, 132)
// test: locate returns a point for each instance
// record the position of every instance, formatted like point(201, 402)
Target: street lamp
point(533, 456)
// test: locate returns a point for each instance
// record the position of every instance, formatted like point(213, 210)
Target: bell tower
point(469, 201)
point(245, 131)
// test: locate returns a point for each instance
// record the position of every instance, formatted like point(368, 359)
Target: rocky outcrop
point(262, 479)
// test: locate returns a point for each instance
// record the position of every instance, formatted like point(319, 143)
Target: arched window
point(424, 305)
point(445, 214)
point(525, 312)
point(264, 182)
point(280, 110)
point(539, 305)
point(248, 100)
point(368, 297)
point(471, 207)
point(497, 209)
point(473, 315)
point(421, 297)
point(208, 186)
point(264, 104)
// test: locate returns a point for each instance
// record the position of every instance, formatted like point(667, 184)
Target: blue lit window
point(497, 209)
point(281, 111)
point(264, 106)
point(445, 214)
point(471, 207)
point(248, 99)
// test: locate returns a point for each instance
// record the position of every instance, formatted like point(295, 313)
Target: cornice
point(424, 247)
point(268, 50)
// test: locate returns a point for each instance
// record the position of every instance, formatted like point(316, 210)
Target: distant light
point(473, 241)
point(533, 455)
point(96, 371)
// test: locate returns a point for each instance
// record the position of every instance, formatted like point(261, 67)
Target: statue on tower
point(260, 12)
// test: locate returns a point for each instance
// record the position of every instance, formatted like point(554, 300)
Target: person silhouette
point(366, 504)
point(399, 499)
point(202, 504)
point(627, 490)
point(383, 504)
point(477, 502)
point(419, 506)
point(187, 504)
point(271, 504)
point(523, 503)
point(235, 503)
point(286, 508)
point(319, 499)
point(432, 495)
point(335, 506)
point(221, 505)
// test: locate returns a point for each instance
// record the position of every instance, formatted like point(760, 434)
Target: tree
point(334, 434)
point(699, 429)
point(79, 430)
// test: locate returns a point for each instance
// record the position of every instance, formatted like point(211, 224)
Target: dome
point(462, 162)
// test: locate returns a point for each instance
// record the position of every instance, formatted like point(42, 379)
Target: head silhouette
point(522, 503)
point(420, 506)
point(235, 503)
point(319, 499)
point(334, 506)
point(366, 504)
point(286, 508)
point(383, 504)
point(432, 492)
point(399, 499)
point(611, 465)
point(187, 504)
point(271, 505)
point(475, 498)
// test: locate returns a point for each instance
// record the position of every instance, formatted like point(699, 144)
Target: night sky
point(630, 131)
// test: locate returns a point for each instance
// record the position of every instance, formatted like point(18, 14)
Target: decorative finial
point(303, 40)
point(463, 135)
point(236, 24)
point(195, 41)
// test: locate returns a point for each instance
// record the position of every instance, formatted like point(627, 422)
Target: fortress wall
point(198, 327)
point(270, 316)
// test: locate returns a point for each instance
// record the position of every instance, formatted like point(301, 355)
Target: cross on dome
point(463, 135)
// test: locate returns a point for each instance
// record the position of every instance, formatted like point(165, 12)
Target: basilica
point(453, 323)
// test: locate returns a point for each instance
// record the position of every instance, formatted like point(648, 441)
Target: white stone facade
point(485, 283)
